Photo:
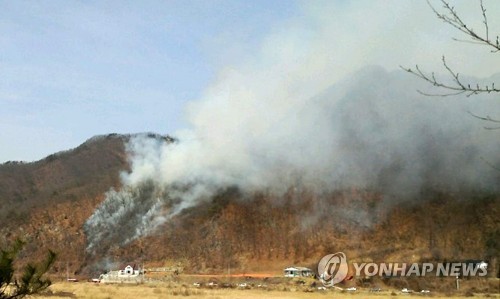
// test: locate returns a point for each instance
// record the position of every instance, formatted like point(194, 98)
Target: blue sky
point(70, 70)
point(74, 69)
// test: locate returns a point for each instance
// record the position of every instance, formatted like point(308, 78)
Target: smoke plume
point(301, 108)
point(371, 130)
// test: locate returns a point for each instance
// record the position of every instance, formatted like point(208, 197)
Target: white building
point(126, 275)
point(128, 271)
point(298, 272)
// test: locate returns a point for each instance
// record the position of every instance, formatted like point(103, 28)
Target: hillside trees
point(31, 281)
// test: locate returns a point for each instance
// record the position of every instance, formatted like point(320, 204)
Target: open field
point(170, 290)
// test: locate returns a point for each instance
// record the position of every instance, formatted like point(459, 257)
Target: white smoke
point(295, 114)
point(372, 130)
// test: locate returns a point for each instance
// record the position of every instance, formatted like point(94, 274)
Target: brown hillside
point(247, 233)
point(47, 203)
point(86, 171)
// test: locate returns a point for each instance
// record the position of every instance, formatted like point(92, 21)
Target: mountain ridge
point(47, 203)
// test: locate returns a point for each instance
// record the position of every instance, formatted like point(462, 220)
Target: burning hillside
point(372, 132)
point(366, 166)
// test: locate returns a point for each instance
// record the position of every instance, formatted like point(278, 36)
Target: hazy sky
point(70, 70)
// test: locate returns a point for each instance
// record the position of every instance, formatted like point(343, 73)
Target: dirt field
point(166, 290)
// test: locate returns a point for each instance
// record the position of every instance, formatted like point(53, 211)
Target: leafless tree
point(456, 85)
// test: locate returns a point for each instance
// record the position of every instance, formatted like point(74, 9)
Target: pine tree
point(30, 282)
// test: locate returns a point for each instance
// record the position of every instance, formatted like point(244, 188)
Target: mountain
point(48, 202)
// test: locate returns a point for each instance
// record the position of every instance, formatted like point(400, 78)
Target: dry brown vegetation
point(172, 290)
point(46, 202)
point(259, 234)
point(245, 232)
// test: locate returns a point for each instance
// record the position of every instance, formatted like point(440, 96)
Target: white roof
point(297, 269)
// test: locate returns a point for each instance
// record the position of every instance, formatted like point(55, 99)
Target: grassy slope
point(146, 291)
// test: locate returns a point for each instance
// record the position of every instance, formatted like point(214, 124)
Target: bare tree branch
point(451, 17)
point(457, 88)
point(485, 21)
point(490, 164)
point(488, 119)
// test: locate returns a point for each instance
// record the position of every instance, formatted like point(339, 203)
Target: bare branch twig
point(457, 88)
point(488, 119)
point(452, 18)
point(490, 164)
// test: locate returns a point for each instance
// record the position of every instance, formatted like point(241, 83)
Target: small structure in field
point(128, 271)
point(298, 272)
point(126, 275)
